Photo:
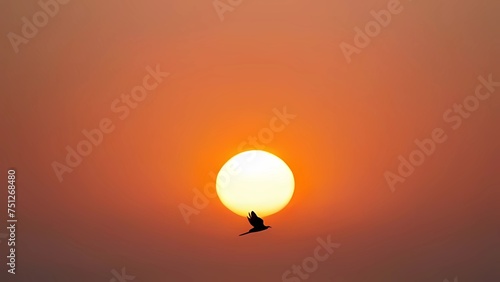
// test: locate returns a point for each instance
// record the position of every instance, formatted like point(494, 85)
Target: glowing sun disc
point(255, 181)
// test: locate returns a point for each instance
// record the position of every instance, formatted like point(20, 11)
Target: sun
point(255, 181)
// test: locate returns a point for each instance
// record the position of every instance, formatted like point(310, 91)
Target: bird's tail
point(244, 233)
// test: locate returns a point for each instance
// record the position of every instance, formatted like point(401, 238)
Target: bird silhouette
point(256, 222)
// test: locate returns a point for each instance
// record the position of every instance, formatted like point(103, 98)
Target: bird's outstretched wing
point(254, 220)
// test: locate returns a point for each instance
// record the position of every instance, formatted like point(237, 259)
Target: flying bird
point(256, 222)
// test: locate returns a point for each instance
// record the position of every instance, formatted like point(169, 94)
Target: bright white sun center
point(255, 181)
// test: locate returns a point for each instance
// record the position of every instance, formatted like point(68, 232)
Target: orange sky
point(120, 206)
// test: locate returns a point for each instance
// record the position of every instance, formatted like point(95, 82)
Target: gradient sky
point(120, 206)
